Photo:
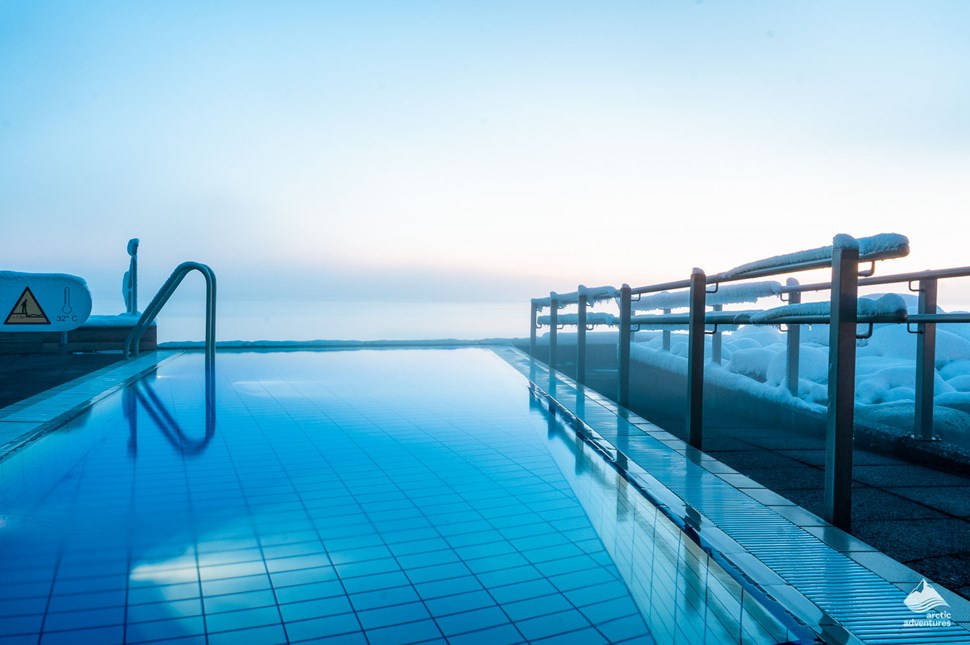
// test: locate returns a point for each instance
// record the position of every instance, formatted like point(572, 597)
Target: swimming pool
point(381, 496)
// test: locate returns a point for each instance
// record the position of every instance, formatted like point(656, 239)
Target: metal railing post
point(794, 341)
point(925, 362)
point(553, 328)
point(533, 314)
point(841, 411)
point(623, 346)
point(665, 335)
point(695, 358)
point(581, 338)
point(716, 340)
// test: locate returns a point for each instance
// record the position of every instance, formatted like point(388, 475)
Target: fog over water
point(455, 152)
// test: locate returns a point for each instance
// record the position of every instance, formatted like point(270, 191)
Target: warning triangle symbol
point(27, 311)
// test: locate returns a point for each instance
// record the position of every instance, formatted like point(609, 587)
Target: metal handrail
point(162, 297)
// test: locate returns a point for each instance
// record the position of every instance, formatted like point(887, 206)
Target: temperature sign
point(42, 301)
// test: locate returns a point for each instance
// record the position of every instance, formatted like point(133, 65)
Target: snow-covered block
point(764, 336)
point(120, 320)
point(42, 302)
point(813, 365)
point(752, 362)
point(894, 383)
point(895, 341)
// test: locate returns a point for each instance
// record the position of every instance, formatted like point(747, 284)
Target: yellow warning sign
point(27, 311)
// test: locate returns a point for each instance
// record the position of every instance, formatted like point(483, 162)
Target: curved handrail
point(182, 270)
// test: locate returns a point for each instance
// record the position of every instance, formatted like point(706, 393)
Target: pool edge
point(26, 421)
point(824, 623)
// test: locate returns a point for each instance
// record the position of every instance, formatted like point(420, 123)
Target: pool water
point(355, 496)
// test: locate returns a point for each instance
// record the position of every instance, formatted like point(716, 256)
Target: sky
point(474, 151)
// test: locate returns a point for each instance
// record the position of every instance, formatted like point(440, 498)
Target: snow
point(598, 293)
point(892, 244)
point(890, 305)
point(592, 318)
point(725, 295)
point(37, 278)
point(754, 361)
point(592, 295)
point(121, 320)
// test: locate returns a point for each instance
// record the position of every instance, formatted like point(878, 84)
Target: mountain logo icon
point(924, 598)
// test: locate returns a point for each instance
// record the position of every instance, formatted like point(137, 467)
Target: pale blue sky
point(329, 148)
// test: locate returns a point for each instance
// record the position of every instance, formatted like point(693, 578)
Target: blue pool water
point(362, 496)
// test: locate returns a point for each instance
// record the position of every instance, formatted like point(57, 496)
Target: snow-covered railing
point(583, 297)
point(844, 312)
point(598, 318)
point(591, 294)
point(667, 301)
point(888, 309)
point(843, 256)
point(878, 247)
point(727, 295)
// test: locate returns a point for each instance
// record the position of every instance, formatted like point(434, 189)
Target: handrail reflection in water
point(141, 393)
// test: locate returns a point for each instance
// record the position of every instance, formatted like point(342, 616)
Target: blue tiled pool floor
point(380, 497)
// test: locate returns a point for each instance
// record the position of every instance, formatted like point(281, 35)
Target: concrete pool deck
point(24, 375)
point(866, 554)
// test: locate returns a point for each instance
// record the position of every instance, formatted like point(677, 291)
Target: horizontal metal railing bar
point(573, 319)
point(728, 295)
point(666, 286)
point(734, 318)
point(956, 272)
point(959, 317)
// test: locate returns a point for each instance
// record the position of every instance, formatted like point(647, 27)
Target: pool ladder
point(182, 270)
